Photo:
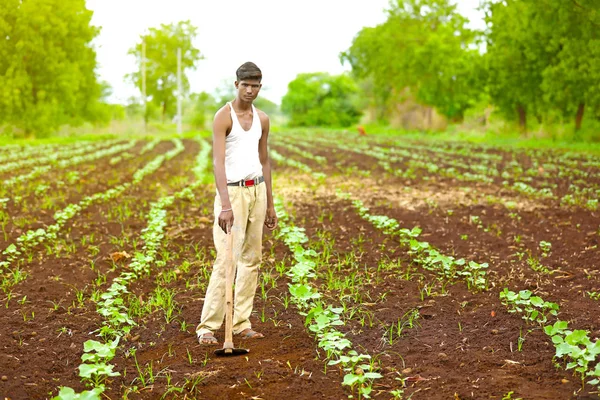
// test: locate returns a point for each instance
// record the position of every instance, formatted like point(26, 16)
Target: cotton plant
point(117, 322)
point(319, 319)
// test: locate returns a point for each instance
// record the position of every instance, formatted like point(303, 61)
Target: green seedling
point(545, 247)
point(533, 308)
point(594, 295)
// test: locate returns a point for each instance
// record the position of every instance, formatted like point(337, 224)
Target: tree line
point(47, 66)
point(536, 59)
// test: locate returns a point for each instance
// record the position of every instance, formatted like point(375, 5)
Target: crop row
point(117, 321)
point(446, 267)
point(574, 347)
point(10, 272)
point(322, 319)
point(73, 160)
point(54, 156)
point(19, 153)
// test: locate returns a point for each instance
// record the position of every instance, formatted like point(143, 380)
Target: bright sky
point(284, 38)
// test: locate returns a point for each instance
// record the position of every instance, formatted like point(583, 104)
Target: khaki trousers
point(249, 205)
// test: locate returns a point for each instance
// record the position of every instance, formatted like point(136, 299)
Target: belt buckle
point(249, 183)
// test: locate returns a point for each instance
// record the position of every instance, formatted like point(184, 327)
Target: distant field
point(401, 267)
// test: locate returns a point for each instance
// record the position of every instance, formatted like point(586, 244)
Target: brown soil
point(36, 210)
point(43, 353)
point(59, 325)
point(464, 345)
point(342, 161)
point(473, 359)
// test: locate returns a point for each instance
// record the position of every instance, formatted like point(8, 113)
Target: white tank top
point(241, 149)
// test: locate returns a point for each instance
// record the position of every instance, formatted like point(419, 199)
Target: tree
point(423, 48)
point(161, 63)
point(224, 92)
point(544, 57)
point(266, 105)
point(514, 63)
point(201, 105)
point(572, 79)
point(320, 99)
point(47, 65)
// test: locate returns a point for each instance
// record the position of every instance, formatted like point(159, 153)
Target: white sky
point(284, 38)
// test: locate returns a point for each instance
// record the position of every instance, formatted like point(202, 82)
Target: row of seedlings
point(423, 253)
point(69, 162)
point(126, 156)
point(321, 318)
point(54, 157)
point(320, 177)
point(574, 348)
point(14, 151)
point(95, 367)
point(10, 271)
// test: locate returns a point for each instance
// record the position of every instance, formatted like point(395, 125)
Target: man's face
point(248, 89)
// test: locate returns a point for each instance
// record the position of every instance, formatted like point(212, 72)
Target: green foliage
point(573, 32)
point(533, 308)
point(423, 50)
point(161, 63)
point(104, 113)
point(47, 65)
point(321, 99)
point(514, 60)
point(66, 393)
point(201, 105)
point(543, 58)
point(266, 105)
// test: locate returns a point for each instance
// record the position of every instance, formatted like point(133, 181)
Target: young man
point(243, 204)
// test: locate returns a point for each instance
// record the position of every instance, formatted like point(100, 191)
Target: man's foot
point(248, 333)
point(207, 338)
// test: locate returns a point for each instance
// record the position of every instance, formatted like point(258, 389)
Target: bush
point(320, 99)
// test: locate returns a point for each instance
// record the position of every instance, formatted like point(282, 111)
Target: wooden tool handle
point(229, 271)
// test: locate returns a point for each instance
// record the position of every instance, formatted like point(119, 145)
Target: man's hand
point(271, 219)
point(226, 220)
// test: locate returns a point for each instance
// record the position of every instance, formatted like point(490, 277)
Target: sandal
point(207, 338)
point(248, 333)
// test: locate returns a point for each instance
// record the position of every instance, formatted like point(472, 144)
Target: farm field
point(400, 269)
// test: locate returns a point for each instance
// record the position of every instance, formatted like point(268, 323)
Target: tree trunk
point(429, 117)
point(459, 118)
point(522, 118)
point(579, 116)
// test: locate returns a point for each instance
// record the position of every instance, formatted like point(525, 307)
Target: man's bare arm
point(221, 124)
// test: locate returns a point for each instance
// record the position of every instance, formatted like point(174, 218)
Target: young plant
point(533, 308)
point(94, 368)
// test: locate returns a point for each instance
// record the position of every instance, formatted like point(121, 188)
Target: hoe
point(228, 349)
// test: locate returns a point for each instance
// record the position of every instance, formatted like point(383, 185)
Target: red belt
point(250, 182)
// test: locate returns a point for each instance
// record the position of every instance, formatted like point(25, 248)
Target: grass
point(505, 139)
point(129, 129)
point(57, 139)
point(456, 133)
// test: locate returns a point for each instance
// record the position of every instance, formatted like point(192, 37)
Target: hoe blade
point(231, 352)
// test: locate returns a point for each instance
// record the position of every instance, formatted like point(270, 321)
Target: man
point(243, 204)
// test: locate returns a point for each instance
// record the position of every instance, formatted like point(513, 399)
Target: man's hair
point(248, 71)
